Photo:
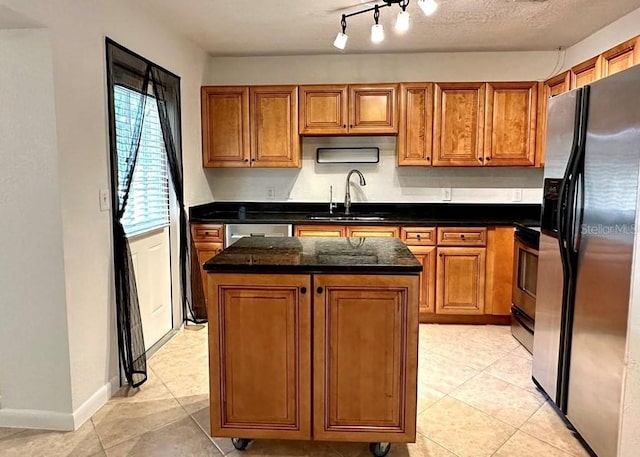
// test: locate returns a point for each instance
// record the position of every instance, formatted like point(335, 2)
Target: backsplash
point(385, 181)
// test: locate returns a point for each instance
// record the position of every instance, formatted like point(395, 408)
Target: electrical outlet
point(516, 195)
point(446, 194)
point(270, 193)
point(105, 200)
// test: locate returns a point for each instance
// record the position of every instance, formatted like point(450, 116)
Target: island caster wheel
point(379, 449)
point(240, 443)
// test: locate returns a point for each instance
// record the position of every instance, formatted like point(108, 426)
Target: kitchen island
point(314, 338)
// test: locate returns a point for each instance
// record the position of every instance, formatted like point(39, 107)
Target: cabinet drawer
point(207, 233)
point(372, 231)
point(462, 236)
point(320, 230)
point(418, 236)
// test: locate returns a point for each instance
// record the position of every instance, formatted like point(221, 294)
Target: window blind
point(148, 204)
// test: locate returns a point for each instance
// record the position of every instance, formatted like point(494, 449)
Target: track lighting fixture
point(377, 31)
point(341, 38)
point(428, 7)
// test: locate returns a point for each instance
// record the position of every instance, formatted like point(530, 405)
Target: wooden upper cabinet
point(415, 133)
point(356, 109)
point(586, 72)
point(323, 110)
point(621, 57)
point(557, 85)
point(372, 109)
point(225, 126)
point(461, 280)
point(510, 129)
point(274, 126)
point(365, 346)
point(458, 124)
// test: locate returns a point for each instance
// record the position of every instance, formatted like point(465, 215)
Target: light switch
point(446, 194)
point(105, 200)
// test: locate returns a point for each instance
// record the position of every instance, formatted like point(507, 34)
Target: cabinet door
point(203, 252)
point(415, 134)
point(365, 357)
point(323, 110)
point(499, 283)
point(461, 281)
point(426, 255)
point(557, 85)
point(373, 231)
point(260, 355)
point(458, 132)
point(621, 57)
point(510, 130)
point(274, 126)
point(372, 109)
point(320, 230)
point(586, 72)
point(225, 126)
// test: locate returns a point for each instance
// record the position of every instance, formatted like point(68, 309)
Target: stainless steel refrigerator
point(585, 259)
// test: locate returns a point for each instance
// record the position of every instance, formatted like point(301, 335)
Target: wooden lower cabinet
point(365, 357)
point(426, 255)
point(206, 243)
point(461, 280)
point(358, 384)
point(499, 283)
point(260, 356)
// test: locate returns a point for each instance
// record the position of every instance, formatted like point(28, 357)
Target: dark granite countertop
point(315, 255)
point(426, 214)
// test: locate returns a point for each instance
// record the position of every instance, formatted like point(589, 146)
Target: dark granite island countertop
point(315, 255)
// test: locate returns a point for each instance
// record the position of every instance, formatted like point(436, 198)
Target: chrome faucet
point(347, 193)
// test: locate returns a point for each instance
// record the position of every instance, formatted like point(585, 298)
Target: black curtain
point(132, 71)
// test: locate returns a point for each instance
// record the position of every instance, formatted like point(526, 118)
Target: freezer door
point(605, 244)
point(546, 339)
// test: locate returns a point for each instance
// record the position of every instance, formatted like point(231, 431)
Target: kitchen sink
point(332, 217)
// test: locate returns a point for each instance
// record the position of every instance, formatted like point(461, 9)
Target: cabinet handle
point(462, 236)
point(344, 126)
point(320, 290)
point(351, 126)
point(246, 160)
point(303, 290)
point(488, 158)
point(441, 255)
point(428, 159)
point(479, 159)
point(253, 160)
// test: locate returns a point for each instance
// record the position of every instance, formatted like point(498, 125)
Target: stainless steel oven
point(525, 279)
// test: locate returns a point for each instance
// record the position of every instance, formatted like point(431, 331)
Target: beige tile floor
point(476, 399)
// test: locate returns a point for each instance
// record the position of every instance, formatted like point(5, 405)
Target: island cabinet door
point(260, 355)
point(365, 357)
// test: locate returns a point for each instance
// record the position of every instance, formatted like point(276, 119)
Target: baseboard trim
point(36, 419)
point(95, 402)
point(52, 420)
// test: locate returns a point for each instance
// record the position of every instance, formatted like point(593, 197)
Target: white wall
point(618, 32)
point(34, 350)
point(78, 29)
point(387, 182)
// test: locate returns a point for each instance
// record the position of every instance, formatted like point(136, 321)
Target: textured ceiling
point(284, 27)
